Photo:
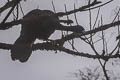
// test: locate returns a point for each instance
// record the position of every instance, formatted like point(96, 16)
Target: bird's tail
point(22, 49)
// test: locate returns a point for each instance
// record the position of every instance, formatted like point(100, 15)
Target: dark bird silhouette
point(40, 24)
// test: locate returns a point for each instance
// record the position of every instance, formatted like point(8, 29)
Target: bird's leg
point(32, 43)
point(53, 42)
point(57, 42)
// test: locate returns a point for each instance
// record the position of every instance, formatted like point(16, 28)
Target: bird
point(38, 24)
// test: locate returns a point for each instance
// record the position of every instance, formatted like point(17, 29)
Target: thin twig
point(72, 44)
point(103, 38)
point(96, 18)
point(116, 15)
point(15, 3)
point(53, 6)
point(83, 8)
point(75, 16)
point(21, 9)
point(60, 14)
point(118, 34)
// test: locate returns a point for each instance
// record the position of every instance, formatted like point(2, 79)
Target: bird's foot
point(53, 42)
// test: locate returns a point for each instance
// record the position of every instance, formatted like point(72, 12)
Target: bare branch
point(60, 14)
point(7, 5)
point(104, 27)
point(15, 3)
point(49, 46)
point(83, 8)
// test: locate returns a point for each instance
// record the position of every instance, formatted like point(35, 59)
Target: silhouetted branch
point(5, 46)
point(104, 27)
point(83, 8)
point(7, 5)
point(99, 5)
point(49, 46)
point(15, 3)
point(8, 25)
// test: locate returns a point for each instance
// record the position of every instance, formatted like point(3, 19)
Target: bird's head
point(79, 29)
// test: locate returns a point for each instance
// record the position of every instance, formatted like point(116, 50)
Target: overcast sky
point(46, 65)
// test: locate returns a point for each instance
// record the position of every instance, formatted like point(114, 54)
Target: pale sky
point(46, 65)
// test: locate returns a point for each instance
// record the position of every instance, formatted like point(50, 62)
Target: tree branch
point(83, 8)
point(7, 5)
point(15, 3)
point(103, 27)
point(48, 46)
